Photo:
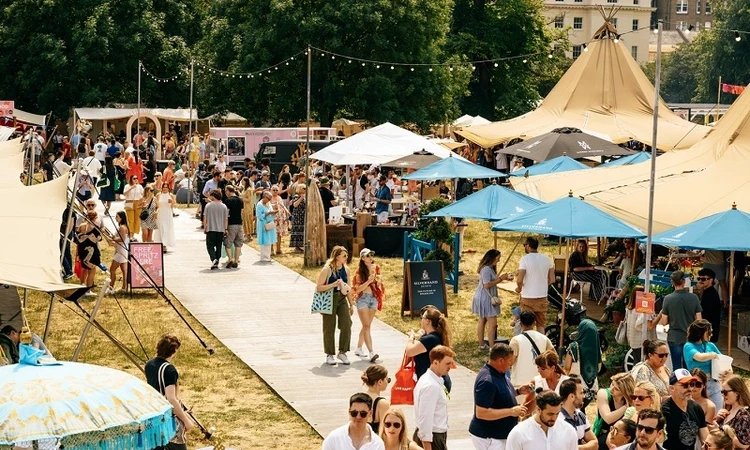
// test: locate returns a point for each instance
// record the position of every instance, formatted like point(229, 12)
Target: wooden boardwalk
point(261, 312)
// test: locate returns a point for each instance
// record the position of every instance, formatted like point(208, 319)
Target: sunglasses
point(362, 414)
point(702, 278)
point(395, 425)
point(640, 398)
point(662, 355)
point(648, 430)
point(90, 206)
point(725, 392)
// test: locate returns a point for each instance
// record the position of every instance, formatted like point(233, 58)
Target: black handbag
point(144, 214)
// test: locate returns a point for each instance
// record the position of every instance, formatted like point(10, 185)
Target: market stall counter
point(386, 240)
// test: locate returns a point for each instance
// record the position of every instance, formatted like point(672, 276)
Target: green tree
point(247, 35)
point(678, 74)
point(487, 30)
point(67, 53)
point(718, 54)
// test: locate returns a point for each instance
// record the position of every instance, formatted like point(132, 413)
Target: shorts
point(235, 235)
point(487, 443)
point(719, 269)
point(367, 300)
point(538, 306)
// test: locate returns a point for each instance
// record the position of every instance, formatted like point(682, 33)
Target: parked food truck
point(240, 143)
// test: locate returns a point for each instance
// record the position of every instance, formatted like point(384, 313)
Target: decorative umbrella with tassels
point(48, 405)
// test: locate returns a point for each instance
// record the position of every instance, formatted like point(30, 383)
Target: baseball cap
point(681, 376)
point(366, 252)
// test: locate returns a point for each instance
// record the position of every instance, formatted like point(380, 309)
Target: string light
point(160, 79)
point(737, 36)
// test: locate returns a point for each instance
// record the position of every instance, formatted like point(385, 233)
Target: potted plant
point(617, 309)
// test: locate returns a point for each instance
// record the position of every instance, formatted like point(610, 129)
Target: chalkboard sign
point(148, 257)
point(424, 284)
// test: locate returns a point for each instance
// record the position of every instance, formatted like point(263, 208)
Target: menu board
point(424, 284)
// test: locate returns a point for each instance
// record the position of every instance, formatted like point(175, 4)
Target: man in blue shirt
point(113, 148)
point(383, 199)
point(496, 411)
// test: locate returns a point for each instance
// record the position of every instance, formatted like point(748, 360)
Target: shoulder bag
point(179, 436)
point(402, 391)
point(621, 335)
point(533, 344)
point(145, 213)
point(322, 301)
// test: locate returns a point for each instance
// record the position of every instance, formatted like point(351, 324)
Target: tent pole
point(307, 256)
point(138, 120)
point(559, 245)
point(513, 250)
point(565, 293)
point(731, 292)
point(49, 317)
point(652, 178)
point(86, 329)
point(495, 239)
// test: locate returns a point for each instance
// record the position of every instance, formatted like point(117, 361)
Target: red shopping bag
point(402, 392)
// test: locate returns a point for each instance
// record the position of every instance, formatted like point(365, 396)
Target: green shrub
point(441, 255)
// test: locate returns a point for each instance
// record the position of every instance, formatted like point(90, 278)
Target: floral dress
point(282, 217)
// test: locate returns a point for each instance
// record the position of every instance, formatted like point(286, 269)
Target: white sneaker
point(110, 291)
point(373, 357)
point(361, 353)
point(330, 360)
point(344, 360)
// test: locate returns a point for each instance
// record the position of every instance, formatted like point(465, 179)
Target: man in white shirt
point(571, 391)
point(535, 273)
point(100, 149)
point(61, 168)
point(431, 401)
point(220, 165)
point(93, 165)
point(527, 346)
point(356, 434)
point(542, 431)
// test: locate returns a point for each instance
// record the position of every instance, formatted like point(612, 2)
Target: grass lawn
point(223, 392)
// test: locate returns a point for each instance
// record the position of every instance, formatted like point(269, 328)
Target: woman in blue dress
point(483, 296)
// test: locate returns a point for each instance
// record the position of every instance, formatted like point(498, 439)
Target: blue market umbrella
point(450, 168)
point(568, 217)
point(560, 164)
point(491, 203)
point(628, 160)
point(728, 230)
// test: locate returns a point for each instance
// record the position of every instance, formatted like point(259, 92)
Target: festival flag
point(732, 89)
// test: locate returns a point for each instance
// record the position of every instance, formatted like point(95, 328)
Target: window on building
point(707, 25)
point(708, 7)
point(635, 25)
point(578, 23)
point(635, 2)
point(611, 1)
point(614, 21)
point(559, 22)
point(577, 51)
point(698, 6)
point(682, 6)
point(682, 25)
point(634, 52)
point(578, 1)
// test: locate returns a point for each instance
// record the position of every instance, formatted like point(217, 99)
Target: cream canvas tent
point(604, 91)
point(707, 179)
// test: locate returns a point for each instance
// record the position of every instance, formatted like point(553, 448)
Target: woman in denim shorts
point(369, 292)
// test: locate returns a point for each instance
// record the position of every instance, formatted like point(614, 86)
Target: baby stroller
point(575, 312)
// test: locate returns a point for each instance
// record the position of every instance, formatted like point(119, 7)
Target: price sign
point(645, 302)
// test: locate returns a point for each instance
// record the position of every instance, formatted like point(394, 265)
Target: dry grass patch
point(223, 391)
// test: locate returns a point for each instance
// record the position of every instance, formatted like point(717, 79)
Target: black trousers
point(214, 241)
point(439, 440)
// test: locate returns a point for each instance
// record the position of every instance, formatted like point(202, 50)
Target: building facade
point(684, 14)
point(583, 18)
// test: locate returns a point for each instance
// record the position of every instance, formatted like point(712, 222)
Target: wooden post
point(495, 239)
point(565, 293)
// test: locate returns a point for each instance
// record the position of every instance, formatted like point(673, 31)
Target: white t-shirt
point(339, 439)
point(528, 435)
point(540, 382)
point(100, 151)
point(536, 281)
point(93, 165)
